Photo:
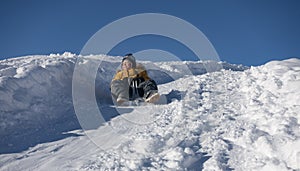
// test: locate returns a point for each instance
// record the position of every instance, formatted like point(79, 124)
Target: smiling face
point(126, 65)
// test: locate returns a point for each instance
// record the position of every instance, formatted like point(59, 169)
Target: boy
point(133, 82)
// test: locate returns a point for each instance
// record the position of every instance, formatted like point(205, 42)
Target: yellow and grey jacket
point(139, 71)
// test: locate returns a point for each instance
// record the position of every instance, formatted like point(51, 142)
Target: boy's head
point(128, 61)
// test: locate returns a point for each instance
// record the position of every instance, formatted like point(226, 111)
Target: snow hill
point(235, 118)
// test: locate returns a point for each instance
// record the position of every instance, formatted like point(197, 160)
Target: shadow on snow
point(23, 139)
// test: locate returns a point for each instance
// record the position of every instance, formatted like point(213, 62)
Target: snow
point(235, 118)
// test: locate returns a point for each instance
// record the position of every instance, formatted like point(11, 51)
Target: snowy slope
point(234, 118)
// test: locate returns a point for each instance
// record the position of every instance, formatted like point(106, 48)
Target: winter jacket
point(139, 71)
point(133, 83)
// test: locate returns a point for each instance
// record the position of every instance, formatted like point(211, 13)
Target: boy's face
point(126, 65)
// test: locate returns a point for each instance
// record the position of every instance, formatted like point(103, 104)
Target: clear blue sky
point(242, 32)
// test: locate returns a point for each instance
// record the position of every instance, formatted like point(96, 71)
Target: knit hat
point(131, 58)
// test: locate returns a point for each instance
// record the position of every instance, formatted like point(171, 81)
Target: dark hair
point(128, 54)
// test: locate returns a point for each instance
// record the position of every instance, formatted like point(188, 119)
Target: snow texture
point(235, 118)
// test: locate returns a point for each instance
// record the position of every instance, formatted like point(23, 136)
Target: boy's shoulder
point(140, 66)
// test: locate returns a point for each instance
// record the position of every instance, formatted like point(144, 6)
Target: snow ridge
point(236, 118)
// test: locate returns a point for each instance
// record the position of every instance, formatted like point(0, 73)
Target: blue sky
point(242, 32)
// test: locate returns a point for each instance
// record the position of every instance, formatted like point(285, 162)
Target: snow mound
point(235, 118)
point(37, 90)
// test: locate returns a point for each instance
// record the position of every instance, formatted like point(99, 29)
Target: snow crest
point(236, 118)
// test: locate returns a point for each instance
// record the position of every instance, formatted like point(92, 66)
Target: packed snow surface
point(235, 118)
